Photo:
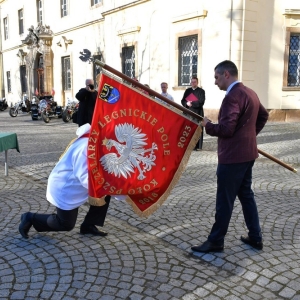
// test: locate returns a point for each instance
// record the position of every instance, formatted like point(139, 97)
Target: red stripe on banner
point(137, 146)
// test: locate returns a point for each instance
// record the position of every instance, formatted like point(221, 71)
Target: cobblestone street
point(150, 258)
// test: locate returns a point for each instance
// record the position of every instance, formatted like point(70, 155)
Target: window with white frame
point(21, 21)
point(291, 71)
point(40, 11)
point(94, 2)
point(66, 70)
point(128, 61)
point(5, 27)
point(64, 8)
point(188, 59)
point(293, 77)
point(8, 81)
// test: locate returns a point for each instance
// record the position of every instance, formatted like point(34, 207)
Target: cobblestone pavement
point(150, 258)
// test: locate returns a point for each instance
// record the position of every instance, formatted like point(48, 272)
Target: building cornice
point(13, 48)
point(119, 8)
point(289, 12)
point(78, 27)
point(190, 16)
point(129, 30)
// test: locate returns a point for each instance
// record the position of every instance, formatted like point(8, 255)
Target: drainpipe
point(150, 44)
point(230, 30)
point(242, 41)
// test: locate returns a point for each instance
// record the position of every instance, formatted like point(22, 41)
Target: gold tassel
point(97, 201)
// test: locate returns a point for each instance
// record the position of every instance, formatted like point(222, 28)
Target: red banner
point(138, 146)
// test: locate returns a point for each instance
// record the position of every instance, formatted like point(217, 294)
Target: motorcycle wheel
point(66, 116)
point(12, 112)
point(45, 117)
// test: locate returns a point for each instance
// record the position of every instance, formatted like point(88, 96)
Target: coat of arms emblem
point(131, 153)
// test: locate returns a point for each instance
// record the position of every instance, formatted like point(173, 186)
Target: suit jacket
point(87, 101)
point(197, 106)
point(241, 118)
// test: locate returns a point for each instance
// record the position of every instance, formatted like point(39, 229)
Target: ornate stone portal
point(39, 60)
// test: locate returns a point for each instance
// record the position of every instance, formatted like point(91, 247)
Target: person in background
point(241, 118)
point(193, 99)
point(164, 91)
point(87, 99)
point(145, 92)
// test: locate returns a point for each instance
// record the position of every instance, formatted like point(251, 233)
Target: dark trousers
point(234, 180)
point(200, 142)
point(65, 220)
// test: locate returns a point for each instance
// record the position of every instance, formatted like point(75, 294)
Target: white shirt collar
point(83, 130)
point(230, 87)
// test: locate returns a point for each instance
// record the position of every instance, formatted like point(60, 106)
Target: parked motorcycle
point(22, 106)
point(35, 108)
point(72, 106)
point(50, 109)
point(3, 104)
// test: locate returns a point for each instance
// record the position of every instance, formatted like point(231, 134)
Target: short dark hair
point(227, 65)
point(195, 77)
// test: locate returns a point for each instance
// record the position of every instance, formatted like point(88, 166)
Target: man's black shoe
point(92, 229)
point(208, 247)
point(25, 224)
point(247, 240)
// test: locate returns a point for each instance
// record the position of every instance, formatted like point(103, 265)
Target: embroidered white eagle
point(131, 152)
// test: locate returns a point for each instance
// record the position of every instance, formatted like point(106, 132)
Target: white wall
point(249, 32)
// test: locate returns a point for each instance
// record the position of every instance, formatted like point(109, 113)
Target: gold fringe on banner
point(174, 181)
point(69, 145)
point(96, 201)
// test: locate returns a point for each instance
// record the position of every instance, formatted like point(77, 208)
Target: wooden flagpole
point(145, 88)
point(185, 110)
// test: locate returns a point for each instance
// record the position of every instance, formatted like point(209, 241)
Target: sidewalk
point(150, 258)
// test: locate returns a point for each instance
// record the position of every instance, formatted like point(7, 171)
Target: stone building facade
point(154, 41)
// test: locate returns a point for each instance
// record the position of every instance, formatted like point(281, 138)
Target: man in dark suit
point(193, 99)
point(87, 99)
point(241, 118)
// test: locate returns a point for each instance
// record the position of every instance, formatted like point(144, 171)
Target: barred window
point(21, 22)
point(128, 61)
point(64, 8)
point(294, 61)
point(188, 59)
point(94, 2)
point(40, 11)
point(8, 81)
point(67, 76)
point(5, 27)
point(23, 78)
